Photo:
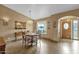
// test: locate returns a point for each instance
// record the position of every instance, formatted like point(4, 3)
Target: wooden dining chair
point(35, 39)
point(23, 39)
point(27, 40)
point(2, 45)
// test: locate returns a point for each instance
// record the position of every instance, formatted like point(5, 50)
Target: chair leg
point(23, 43)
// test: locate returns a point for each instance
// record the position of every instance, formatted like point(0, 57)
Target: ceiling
point(37, 11)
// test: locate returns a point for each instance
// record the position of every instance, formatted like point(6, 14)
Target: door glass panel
point(66, 26)
point(75, 29)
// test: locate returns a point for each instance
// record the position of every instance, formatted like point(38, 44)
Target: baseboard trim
point(13, 41)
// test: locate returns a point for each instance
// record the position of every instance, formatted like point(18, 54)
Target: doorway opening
point(68, 27)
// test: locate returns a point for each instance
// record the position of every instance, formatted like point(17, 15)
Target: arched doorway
point(68, 27)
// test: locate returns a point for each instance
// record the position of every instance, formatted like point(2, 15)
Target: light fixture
point(5, 20)
point(30, 13)
point(18, 23)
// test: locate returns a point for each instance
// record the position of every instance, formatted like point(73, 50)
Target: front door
point(66, 29)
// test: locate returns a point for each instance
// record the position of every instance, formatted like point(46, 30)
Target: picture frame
point(20, 25)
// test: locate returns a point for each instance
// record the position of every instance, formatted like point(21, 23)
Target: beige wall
point(53, 31)
point(8, 31)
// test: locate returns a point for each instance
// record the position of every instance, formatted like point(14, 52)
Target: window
point(42, 27)
point(75, 29)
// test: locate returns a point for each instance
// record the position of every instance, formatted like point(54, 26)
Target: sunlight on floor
point(45, 47)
